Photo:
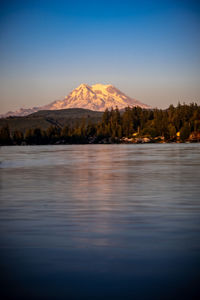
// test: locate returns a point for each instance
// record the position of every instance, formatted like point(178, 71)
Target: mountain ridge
point(45, 118)
point(97, 97)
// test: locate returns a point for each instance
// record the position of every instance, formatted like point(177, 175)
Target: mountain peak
point(97, 97)
point(100, 85)
point(83, 86)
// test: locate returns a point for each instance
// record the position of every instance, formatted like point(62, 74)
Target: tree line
point(172, 124)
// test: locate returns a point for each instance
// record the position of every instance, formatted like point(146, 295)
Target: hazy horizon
point(147, 49)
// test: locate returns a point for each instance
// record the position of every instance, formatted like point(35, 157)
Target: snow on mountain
point(97, 97)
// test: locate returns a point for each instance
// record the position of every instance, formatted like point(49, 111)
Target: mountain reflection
point(116, 219)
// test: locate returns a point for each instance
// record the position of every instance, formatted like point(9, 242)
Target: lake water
point(100, 222)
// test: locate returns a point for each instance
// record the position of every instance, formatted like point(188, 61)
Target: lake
point(100, 221)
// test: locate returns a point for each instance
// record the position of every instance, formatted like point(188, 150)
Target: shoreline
point(103, 143)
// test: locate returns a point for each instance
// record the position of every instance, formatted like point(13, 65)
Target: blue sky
point(148, 49)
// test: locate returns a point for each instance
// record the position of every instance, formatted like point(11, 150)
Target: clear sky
point(150, 50)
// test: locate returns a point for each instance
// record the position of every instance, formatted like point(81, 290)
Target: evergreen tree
point(106, 117)
point(29, 139)
point(37, 136)
point(18, 137)
point(127, 122)
point(5, 138)
point(185, 132)
point(65, 133)
point(172, 131)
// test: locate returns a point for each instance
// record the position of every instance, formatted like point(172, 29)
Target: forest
point(133, 125)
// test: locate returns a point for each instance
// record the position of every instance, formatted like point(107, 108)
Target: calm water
point(100, 222)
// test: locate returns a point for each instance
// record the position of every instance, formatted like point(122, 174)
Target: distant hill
point(45, 118)
point(97, 97)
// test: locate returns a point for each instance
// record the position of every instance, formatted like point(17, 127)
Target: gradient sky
point(150, 50)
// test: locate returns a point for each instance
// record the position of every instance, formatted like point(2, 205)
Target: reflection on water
point(100, 222)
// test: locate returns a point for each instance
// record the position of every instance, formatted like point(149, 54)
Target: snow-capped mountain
point(97, 97)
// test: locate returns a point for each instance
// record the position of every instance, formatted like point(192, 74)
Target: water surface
point(100, 221)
